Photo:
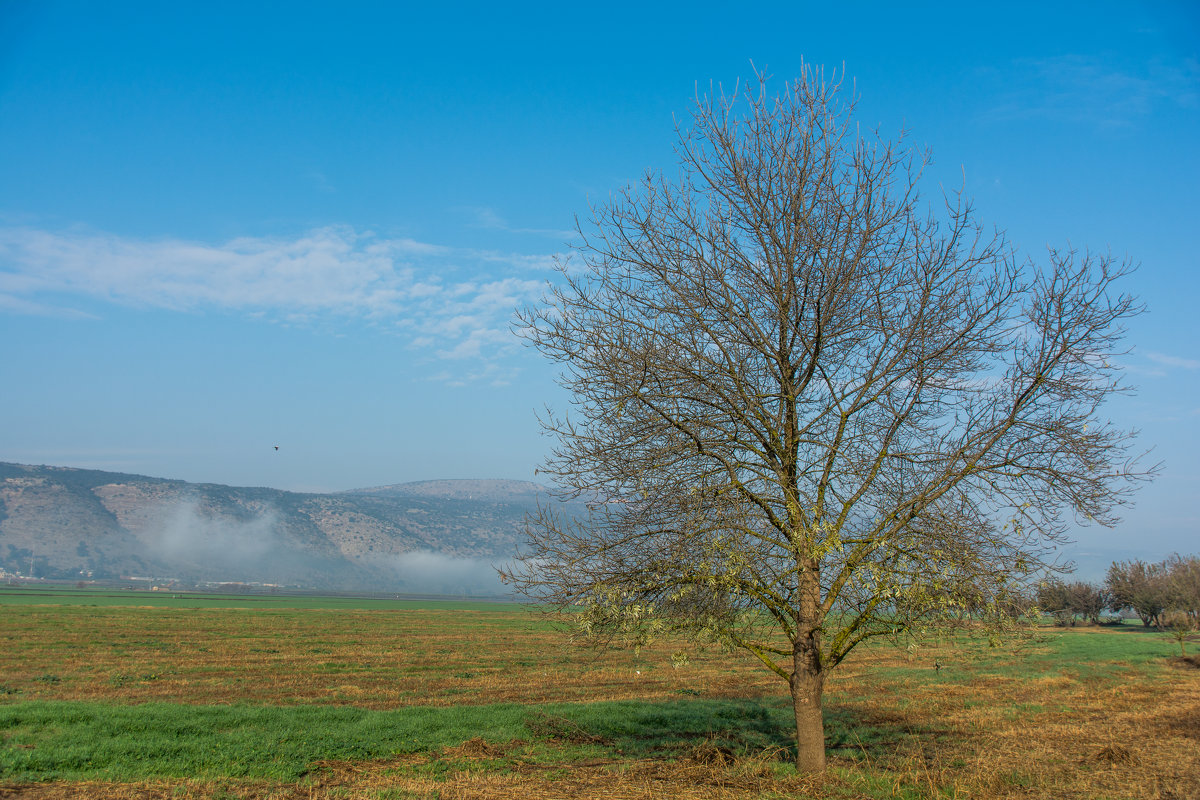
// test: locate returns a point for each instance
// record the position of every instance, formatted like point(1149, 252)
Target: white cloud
point(454, 303)
point(1093, 90)
point(489, 219)
point(492, 374)
point(10, 304)
point(1173, 361)
point(1148, 372)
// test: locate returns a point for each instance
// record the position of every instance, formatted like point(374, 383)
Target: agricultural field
point(139, 695)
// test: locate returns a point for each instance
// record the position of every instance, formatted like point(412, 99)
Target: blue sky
point(225, 227)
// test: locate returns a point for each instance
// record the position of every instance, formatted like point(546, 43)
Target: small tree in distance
point(1182, 629)
point(1088, 601)
point(1184, 581)
point(1145, 588)
point(1054, 598)
point(1164, 594)
point(808, 410)
point(1068, 601)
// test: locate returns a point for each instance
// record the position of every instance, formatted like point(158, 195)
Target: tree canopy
point(810, 408)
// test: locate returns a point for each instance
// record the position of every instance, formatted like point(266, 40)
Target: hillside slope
point(430, 536)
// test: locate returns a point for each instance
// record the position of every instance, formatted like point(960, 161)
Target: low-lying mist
point(427, 572)
point(193, 541)
point(187, 534)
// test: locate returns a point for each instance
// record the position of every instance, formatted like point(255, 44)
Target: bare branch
point(810, 407)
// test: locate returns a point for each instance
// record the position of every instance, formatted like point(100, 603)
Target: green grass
point(1083, 653)
point(91, 741)
point(875, 725)
point(84, 741)
point(1129, 644)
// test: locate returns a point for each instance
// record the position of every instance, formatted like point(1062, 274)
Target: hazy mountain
point(493, 491)
point(431, 536)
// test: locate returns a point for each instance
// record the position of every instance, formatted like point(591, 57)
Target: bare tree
point(809, 410)
point(1183, 575)
point(1089, 601)
point(1054, 598)
point(1145, 588)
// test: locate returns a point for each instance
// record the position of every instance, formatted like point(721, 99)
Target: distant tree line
point(1165, 594)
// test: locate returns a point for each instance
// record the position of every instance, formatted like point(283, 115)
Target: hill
point(430, 536)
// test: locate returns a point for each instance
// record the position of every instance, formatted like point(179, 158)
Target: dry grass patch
point(944, 721)
point(370, 659)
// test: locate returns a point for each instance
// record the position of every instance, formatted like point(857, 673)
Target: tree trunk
point(807, 686)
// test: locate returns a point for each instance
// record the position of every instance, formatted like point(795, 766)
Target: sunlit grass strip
point(93, 741)
point(88, 741)
point(202, 697)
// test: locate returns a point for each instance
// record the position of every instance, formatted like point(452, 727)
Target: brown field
point(1008, 723)
point(371, 659)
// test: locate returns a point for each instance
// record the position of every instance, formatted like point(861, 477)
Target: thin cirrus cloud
point(453, 302)
point(487, 219)
point(1173, 361)
point(1092, 90)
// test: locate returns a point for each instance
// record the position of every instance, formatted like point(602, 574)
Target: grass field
point(139, 695)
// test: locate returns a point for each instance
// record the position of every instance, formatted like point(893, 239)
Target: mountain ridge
point(441, 536)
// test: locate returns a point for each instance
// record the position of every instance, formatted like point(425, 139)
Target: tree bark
point(807, 686)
